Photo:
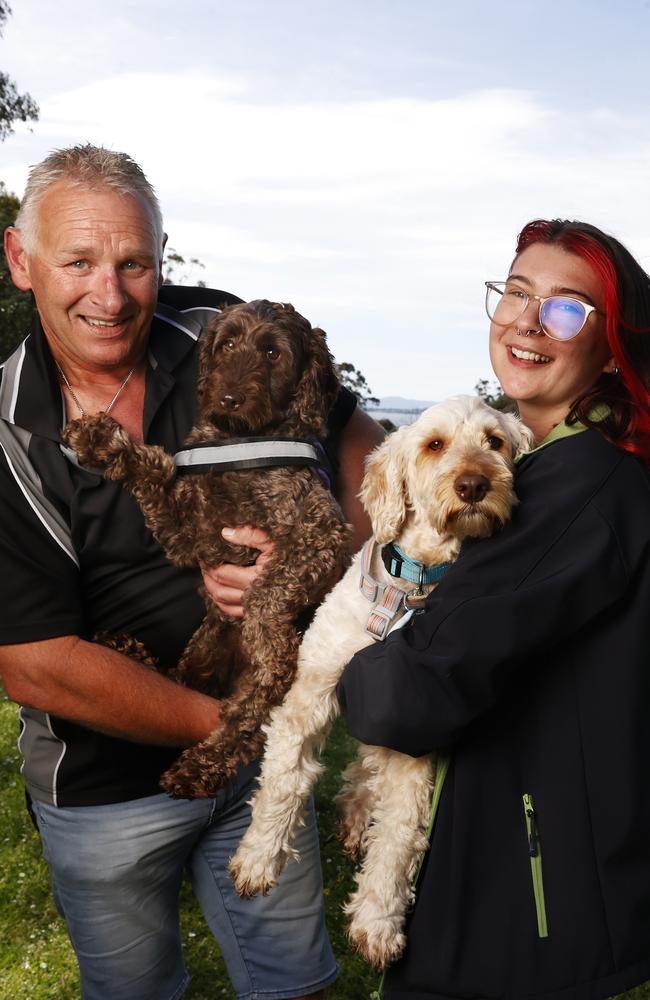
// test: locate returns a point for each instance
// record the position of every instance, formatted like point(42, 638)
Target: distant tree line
point(17, 310)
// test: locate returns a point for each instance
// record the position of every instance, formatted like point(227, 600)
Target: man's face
point(95, 274)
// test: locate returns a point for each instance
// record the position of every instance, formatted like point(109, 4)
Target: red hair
point(626, 289)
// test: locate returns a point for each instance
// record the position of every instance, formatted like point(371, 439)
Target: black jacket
point(531, 668)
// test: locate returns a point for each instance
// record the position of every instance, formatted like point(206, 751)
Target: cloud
point(379, 218)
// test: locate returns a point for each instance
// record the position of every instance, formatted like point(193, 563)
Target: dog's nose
point(232, 400)
point(471, 489)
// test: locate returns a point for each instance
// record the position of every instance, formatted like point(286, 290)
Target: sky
point(370, 161)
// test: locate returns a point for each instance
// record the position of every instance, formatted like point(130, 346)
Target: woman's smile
point(545, 376)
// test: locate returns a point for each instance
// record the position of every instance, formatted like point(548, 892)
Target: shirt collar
point(565, 430)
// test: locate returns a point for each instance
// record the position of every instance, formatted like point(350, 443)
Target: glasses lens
point(562, 318)
point(504, 304)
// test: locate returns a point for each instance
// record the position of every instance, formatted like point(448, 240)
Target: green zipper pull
point(535, 854)
point(533, 832)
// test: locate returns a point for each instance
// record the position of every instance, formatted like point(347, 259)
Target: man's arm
point(359, 437)
point(101, 689)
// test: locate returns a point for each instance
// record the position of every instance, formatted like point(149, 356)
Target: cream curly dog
point(446, 477)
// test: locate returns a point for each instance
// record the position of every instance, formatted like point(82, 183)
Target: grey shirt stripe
point(14, 442)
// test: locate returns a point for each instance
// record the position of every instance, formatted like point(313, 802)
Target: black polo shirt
point(77, 558)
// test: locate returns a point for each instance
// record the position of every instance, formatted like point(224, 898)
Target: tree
point(13, 106)
point(173, 262)
point(17, 310)
point(492, 394)
point(352, 379)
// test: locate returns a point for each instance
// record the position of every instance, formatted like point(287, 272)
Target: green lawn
point(36, 961)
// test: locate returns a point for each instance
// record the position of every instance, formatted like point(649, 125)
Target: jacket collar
point(30, 394)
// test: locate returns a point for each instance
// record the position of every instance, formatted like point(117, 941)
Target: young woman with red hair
point(528, 674)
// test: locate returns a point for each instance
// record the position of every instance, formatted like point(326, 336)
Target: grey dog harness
point(252, 453)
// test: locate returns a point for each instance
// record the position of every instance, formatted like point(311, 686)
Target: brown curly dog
point(263, 372)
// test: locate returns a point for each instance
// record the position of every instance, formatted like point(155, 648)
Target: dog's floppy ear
point(318, 385)
point(522, 437)
point(384, 491)
point(207, 345)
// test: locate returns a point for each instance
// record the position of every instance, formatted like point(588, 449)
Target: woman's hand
point(227, 584)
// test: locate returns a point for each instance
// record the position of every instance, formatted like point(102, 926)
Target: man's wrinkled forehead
point(80, 218)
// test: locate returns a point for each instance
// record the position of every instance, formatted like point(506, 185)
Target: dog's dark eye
point(495, 443)
point(272, 353)
point(227, 345)
point(436, 445)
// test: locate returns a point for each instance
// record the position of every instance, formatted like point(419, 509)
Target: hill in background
point(398, 409)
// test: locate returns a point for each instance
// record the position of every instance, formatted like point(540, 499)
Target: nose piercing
point(527, 333)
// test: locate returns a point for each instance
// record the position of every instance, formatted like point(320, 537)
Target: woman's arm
point(359, 437)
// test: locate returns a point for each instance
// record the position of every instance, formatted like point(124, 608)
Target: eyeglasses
point(561, 317)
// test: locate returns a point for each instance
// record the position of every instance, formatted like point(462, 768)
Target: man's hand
point(226, 584)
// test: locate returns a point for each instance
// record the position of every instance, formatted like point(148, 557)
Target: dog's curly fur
point(263, 371)
point(446, 477)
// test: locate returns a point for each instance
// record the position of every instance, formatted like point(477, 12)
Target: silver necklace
point(107, 409)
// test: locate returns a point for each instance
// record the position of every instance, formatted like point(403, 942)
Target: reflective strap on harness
point(252, 453)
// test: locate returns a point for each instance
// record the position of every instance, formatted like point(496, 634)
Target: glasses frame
point(500, 287)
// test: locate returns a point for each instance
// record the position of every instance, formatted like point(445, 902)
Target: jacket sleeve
point(508, 602)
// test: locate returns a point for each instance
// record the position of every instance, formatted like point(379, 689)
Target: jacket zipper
point(535, 854)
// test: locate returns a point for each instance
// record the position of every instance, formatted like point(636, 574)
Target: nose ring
point(527, 333)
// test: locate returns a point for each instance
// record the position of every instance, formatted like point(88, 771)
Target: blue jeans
point(116, 874)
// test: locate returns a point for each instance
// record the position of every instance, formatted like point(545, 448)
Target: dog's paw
point(94, 439)
point(127, 645)
point(192, 776)
point(379, 943)
point(250, 875)
point(351, 838)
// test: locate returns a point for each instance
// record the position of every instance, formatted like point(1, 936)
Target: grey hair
point(88, 166)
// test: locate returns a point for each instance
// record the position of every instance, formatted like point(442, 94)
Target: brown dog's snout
point(471, 488)
point(232, 400)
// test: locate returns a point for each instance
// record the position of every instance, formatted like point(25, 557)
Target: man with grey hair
point(92, 167)
point(98, 728)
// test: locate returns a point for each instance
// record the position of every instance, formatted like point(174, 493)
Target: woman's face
point(553, 374)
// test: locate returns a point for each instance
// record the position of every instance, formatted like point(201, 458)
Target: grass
point(36, 960)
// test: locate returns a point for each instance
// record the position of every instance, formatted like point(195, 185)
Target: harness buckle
point(415, 600)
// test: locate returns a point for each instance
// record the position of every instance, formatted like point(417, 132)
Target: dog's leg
point(396, 838)
point(290, 768)
point(296, 731)
point(269, 643)
point(203, 769)
point(211, 655)
point(148, 471)
point(355, 803)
